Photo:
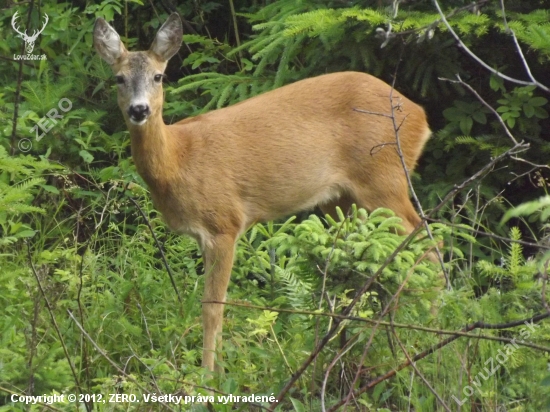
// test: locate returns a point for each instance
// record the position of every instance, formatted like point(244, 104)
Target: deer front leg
point(218, 255)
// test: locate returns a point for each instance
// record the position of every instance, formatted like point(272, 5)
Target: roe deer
point(214, 175)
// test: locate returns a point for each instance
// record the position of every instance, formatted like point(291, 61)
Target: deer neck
point(151, 150)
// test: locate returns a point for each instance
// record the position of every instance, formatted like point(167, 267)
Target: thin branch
point(478, 324)
point(134, 355)
point(323, 293)
point(113, 364)
point(235, 27)
point(429, 351)
point(518, 148)
point(527, 173)
point(544, 282)
point(159, 246)
point(535, 166)
point(407, 175)
point(386, 310)
point(33, 343)
point(472, 6)
point(345, 312)
point(347, 347)
point(355, 109)
point(487, 105)
point(413, 364)
point(280, 348)
point(481, 62)
point(491, 235)
point(54, 323)
point(84, 348)
point(518, 48)
point(146, 326)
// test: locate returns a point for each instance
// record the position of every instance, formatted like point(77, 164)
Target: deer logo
point(29, 40)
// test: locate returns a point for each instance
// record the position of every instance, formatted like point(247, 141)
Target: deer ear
point(168, 39)
point(107, 42)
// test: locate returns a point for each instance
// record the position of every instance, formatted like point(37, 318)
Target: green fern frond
point(515, 259)
point(414, 20)
point(44, 93)
point(532, 29)
point(513, 266)
point(539, 16)
point(223, 88)
point(541, 206)
point(297, 290)
point(473, 23)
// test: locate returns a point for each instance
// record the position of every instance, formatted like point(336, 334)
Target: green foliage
point(74, 229)
point(464, 114)
point(222, 88)
point(533, 29)
point(521, 105)
point(20, 177)
point(513, 266)
point(538, 208)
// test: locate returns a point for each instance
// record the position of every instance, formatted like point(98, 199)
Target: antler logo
point(29, 40)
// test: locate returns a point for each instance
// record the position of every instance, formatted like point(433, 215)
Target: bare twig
point(480, 61)
point(348, 346)
point(386, 310)
point(480, 325)
point(337, 321)
point(535, 165)
point(55, 325)
point(407, 175)
point(146, 326)
point(417, 371)
point(134, 354)
point(518, 48)
point(33, 343)
point(518, 148)
point(476, 94)
point(113, 363)
point(107, 202)
point(355, 109)
point(159, 246)
point(235, 27)
point(472, 6)
point(432, 349)
point(492, 235)
point(323, 292)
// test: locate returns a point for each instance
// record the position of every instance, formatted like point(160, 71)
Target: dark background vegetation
point(86, 303)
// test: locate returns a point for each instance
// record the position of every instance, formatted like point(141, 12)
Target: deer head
point(139, 74)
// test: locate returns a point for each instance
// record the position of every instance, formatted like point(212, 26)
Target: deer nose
point(139, 111)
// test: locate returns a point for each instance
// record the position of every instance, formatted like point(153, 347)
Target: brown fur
point(302, 145)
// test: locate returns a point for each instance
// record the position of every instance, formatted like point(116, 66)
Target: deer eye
point(119, 79)
point(158, 78)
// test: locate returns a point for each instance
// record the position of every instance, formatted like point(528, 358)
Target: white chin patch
point(138, 122)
